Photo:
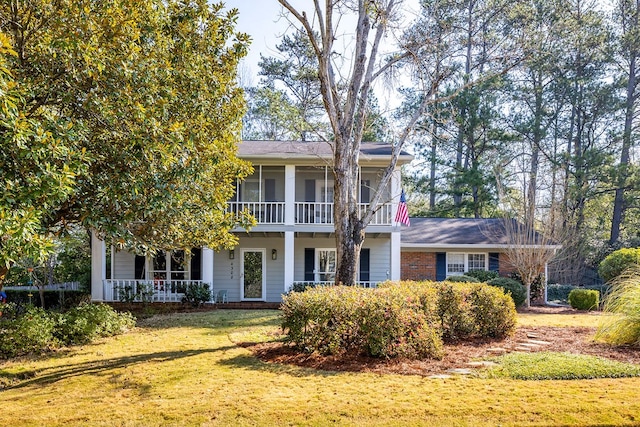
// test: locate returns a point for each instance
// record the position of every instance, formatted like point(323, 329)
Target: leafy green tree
point(143, 95)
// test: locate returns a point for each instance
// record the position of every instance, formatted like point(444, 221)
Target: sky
point(262, 21)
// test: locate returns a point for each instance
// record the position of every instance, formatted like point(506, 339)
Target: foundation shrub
point(197, 294)
point(462, 279)
point(584, 299)
point(493, 312)
point(512, 287)
point(482, 275)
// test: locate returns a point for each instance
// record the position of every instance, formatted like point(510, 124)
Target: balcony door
point(253, 277)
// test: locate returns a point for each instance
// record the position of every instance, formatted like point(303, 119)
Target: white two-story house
point(290, 194)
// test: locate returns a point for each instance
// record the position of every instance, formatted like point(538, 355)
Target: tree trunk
point(619, 201)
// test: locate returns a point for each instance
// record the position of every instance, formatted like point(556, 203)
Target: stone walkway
point(531, 344)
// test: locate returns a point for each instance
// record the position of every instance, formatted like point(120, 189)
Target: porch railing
point(264, 212)
point(129, 290)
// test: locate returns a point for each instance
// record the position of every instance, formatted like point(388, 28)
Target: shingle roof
point(457, 232)
point(311, 149)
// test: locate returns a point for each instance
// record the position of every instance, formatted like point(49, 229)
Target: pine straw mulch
point(457, 355)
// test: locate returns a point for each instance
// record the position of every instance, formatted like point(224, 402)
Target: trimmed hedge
point(512, 287)
point(406, 319)
point(584, 299)
point(483, 275)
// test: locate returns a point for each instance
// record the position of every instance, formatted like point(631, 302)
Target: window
point(477, 262)
point(170, 265)
point(460, 263)
point(325, 265)
point(455, 264)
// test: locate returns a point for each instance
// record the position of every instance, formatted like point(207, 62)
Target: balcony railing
point(264, 212)
point(305, 212)
point(129, 290)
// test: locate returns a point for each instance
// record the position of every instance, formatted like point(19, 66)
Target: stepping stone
point(539, 342)
point(532, 335)
point(528, 344)
point(461, 371)
point(482, 364)
point(497, 350)
point(440, 377)
point(521, 348)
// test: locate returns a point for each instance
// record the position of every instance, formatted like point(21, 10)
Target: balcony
point(264, 212)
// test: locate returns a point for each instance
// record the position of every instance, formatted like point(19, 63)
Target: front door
point(253, 275)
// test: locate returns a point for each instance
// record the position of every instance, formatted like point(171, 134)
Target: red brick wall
point(418, 265)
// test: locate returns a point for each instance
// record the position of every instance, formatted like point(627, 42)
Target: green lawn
point(186, 369)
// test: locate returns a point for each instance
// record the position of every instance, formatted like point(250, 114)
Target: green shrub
point(584, 299)
point(622, 327)
point(30, 332)
point(57, 299)
point(405, 319)
point(512, 287)
point(197, 294)
point(493, 312)
point(87, 322)
point(462, 279)
point(617, 262)
point(483, 275)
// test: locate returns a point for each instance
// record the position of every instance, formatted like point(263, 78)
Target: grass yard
point(188, 370)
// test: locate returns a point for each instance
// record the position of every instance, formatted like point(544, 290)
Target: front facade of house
point(290, 194)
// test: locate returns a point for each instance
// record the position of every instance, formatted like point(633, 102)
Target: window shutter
point(494, 261)
point(309, 264)
point(196, 264)
point(365, 256)
point(269, 190)
point(365, 191)
point(309, 190)
point(140, 263)
point(441, 266)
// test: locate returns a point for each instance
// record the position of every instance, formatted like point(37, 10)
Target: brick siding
point(418, 265)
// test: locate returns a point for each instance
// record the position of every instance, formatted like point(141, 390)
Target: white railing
point(264, 212)
point(311, 283)
point(380, 217)
point(129, 290)
point(314, 213)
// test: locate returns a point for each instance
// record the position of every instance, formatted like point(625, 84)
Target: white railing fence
point(300, 285)
point(129, 290)
point(264, 212)
point(65, 286)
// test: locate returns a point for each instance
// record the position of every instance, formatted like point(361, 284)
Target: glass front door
point(253, 274)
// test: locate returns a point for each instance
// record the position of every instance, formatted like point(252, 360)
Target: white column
point(98, 267)
point(288, 260)
point(207, 265)
point(395, 256)
point(289, 194)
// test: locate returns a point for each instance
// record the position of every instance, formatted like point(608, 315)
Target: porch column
point(288, 260)
point(395, 256)
point(98, 267)
point(207, 266)
point(289, 194)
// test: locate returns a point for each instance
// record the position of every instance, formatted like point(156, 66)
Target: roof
point(459, 233)
point(313, 150)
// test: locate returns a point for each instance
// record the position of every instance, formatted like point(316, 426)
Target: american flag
point(402, 215)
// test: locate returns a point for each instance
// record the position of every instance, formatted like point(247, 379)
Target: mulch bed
point(457, 355)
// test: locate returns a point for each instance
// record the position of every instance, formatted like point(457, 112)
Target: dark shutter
point(309, 264)
point(365, 256)
point(139, 267)
point(309, 190)
point(196, 264)
point(269, 190)
point(494, 261)
point(441, 266)
point(365, 191)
